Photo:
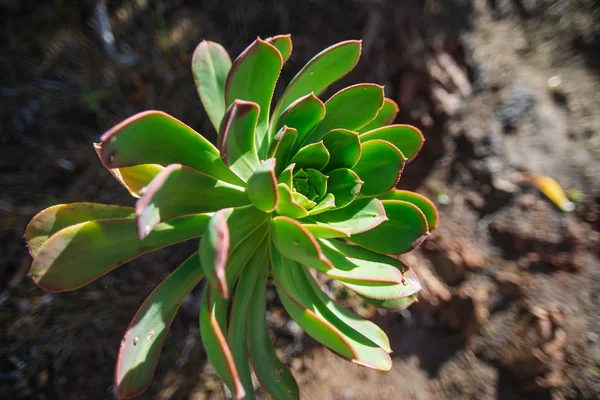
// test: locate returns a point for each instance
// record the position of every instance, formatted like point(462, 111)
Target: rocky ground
point(504, 91)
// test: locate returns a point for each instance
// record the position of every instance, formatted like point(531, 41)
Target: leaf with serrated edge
point(303, 115)
point(101, 246)
point(406, 138)
point(166, 140)
point(178, 191)
point(425, 205)
point(405, 229)
point(380, 166)
point(210, 67)
point(283, 43)
point(296, 242)
point(273, 375)
point(350, 108)
point(214, 250)
point(281, 147)
point(321, 71)
point(244, 83)
point(236, 138)
point(262, 187)
point(386, 115)
point(314, 155)
point(287, 205)
point(213, 314)
point(146, 334)
point(345, 185)
point(51, 220)
point(344, 147)
point(360, 216)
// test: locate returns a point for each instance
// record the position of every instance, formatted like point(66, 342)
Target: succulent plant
point(305, 190)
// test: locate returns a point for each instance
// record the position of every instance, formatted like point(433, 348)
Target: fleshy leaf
point(409, 287)
point(178, 191)
point(360, 216)
point(317, 182)
point(380, 166)
point(236, 138)
point(328, 203)
point(281, 147)
point(344, 148)
point(213, 314)
point(153, 137)
point(214, 250)
point(287, 205)
point(425, 205)
point(287, 176)
point(350, 108)
point(345, 185)
point(326, 231)
point(384, 117)
point(393, 305)
point(314, 155)
point(146, 334)
point(252, 77)
point(406, 138)
point(303, 115)
point(283, 43)
point(51, 220)
point(321, 71)
point(210, 67)
point(273, 375)
point(405, 229)
point(262, 187)
point(101, 246)
point(296, 242)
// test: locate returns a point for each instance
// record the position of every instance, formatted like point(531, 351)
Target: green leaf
point(303, 201)
point(303, 115)
point(178, 191)
point(384, 117)
point(236, 138)
point(101, 246)
point(296, 242)
point(287, 205)
point(406, 138)
point(283, 43)
point(213, 314)
point(409, 287)
point(262, 187)
point(425, 205)
point(326, 204)
point(252, 77)
point(238, 319)
point(405, 229)
point(282, 146)
point(360, 216)
point(287, 176)
point(273, 375)
point(321, 71)
point(210, 66)
point(314, 155)
point(345, 185)
point(380, 166)
point(144, 339)
point(214, 250)
point(344, 147)
point(153, 137)
point(326, 231)
point(350, 108)
point(393, 305)
point(318, 182)
point(51, 220)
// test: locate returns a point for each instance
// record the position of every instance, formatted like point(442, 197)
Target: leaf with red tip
point(283, 43)
point(53, 219)
point(287, 205)
point(296, 242)
point(146, 334)
point(101, 246)
point(350, 108)
point(326, 204)
point(344, 147)
point(425, 205)
point(153, 137)
point(214, 250)
point(252, 77)
point(380, 166)
point(210, 67)
point(345, 185)
point(281, 147)
point(321, 71)
point(405, 229)
point(360, 216)
point(406, 138)
point(384, 117)
point(303, 115)
point(177, 191)
point(213, 315)
point(262, 187)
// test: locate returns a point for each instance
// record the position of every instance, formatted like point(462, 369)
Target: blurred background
point(503, 90)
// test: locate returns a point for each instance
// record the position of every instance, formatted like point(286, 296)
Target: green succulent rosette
point(306, 189)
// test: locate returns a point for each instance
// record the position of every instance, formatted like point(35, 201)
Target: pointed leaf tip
point(214, 250)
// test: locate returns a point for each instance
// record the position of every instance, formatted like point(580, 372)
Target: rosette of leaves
point(305, 187)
